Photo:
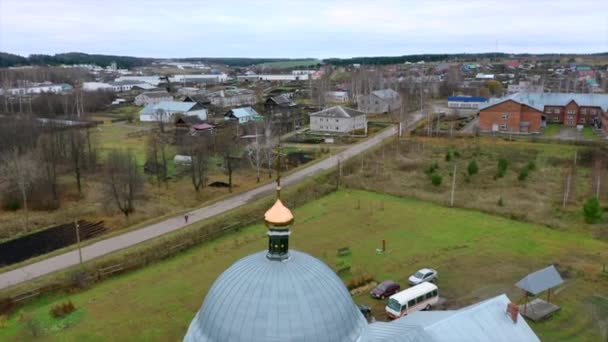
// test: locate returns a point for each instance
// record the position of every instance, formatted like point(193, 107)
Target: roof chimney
point(513, 311)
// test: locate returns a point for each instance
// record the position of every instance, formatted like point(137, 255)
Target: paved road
point(128, 239)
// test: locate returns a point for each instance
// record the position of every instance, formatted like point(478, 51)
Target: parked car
point(385, 289)
point(423, 275)
point(365, 310)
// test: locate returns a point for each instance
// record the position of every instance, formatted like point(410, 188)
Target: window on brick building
point(571, 111)
point(584, 111)
point(503, 127)
point(505, 116)
point(556, 110)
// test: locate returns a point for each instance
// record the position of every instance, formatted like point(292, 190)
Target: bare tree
point(403, 114)
point(77, 156)
point(227, 143)
point(49, 153)
point(157, 155)
point(269, 144)
point(200, 154)
point(21, 170)
point(255, 151)
point(161, 117)
point(123, 180)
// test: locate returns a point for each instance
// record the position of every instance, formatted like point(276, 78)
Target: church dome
point(259, 299)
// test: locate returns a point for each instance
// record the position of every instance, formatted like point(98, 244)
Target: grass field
point(476, 254)
point(303, 63)
point(402, 169)
point(552, 130)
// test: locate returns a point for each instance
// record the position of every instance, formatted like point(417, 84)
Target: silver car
point(423, 274)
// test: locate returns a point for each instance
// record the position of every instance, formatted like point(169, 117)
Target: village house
point(40, 88)
point(379, 101)
point(338, 119)
point(232, 98)
point(201, 99)
point(529, 112)
point(243, 115)
point(336, 96)
point(525, 87)
point(279, 105)
point(152, 97)
point(96, 86)
point(166, 110)
point(127, 85)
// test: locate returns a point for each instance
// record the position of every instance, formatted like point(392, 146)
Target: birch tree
point(123, 180)
point(22, 171)
point(255, 150)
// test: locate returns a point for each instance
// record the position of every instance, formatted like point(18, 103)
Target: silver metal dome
point(259, 299)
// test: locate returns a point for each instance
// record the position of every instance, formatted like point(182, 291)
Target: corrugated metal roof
point(540, 280)
point(337, 112)
point(386, 94)
point(244, 112)
point(168, 106)
point(540, 100)
point(481, 322)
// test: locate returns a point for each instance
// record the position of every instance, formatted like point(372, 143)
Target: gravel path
point(134, 237)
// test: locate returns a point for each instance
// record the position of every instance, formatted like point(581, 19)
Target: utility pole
point(453, 186)
point(77, 227)
point(597, 186)
point(566, 192)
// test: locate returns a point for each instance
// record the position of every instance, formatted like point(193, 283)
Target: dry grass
point(399, 169)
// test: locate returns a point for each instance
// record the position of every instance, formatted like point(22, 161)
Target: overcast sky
point(251, 28)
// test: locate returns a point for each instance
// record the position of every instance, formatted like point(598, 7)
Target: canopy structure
point(540, 280)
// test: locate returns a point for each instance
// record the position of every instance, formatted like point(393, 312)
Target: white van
point(419, 297)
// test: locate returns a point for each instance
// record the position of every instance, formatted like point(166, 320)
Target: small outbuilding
point(534, 284)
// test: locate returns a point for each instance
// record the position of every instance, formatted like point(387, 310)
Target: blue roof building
point(466, 102)
point(243, 115)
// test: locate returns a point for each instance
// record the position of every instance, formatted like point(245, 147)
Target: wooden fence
point(129, 262)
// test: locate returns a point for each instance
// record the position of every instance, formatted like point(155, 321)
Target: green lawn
point(476, 254)
point(551, 130)
point(589, 134)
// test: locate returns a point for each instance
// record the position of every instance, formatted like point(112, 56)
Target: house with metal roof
point(529, 112)
point(127, 85)
point(336, 96)
point(379, 101)
point(484, 321)
point(338, 120)
point(243, 115)
point(152, 97)
point(166, 110)
point(282, 100)
point(232, 98)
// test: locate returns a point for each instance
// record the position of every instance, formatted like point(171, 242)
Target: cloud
point(300, 28)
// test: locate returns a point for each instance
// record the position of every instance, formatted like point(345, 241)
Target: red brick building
point(530, 112)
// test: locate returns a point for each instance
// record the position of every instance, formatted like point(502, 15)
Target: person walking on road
point(186, 218)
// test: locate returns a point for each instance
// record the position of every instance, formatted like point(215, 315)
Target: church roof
point(259, 300)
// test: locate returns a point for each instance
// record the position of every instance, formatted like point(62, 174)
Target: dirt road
point(134, 237)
